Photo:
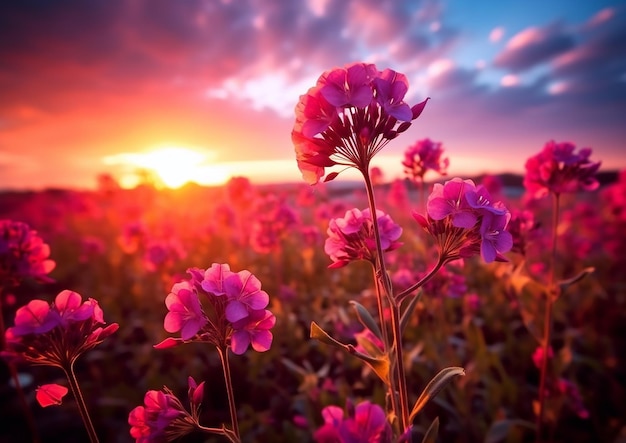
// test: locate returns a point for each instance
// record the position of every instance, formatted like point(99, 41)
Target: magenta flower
point(494, 236)
point(235, 313)
point(57, 334)
point(185, 312)
point(161, 418)
point(253, 330)
point(365, 423)
point(450, 199)
point(558, 169)
point(348, 117)
point(23, 254)
point(464, 221)
point(423, 156)
point(352, 237)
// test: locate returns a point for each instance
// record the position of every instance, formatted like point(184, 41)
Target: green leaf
point(380, 365)
point(499, 430)
point(433, 387)
point(432, 432)
point(372, 348)
point(366, 319)
point(319, 334)
point(406, 316)
point(564, 284)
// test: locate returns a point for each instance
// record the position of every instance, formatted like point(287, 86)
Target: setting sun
point(173, 166)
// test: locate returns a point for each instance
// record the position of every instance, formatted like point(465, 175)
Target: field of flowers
point(465, 311)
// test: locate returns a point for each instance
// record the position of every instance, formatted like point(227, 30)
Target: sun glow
point(173, 166)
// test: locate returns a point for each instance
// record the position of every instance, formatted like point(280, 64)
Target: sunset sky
point(91, 86)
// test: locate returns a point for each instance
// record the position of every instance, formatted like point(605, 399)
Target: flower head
point(221, 307)
point(558, 169)
point(352, 237)
point(23, 254)
point(423, 156)
point(365, 423)
point(465, 221)
point(348, 117)
point(161, 418)
point(57, 334)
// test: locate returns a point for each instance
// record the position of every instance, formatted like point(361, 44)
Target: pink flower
point(465, 221)
point(185, 312)
point(366, 423)
point(50, 395)
point(558, 169)
point(57, 334)
point(23, 254)
point(348, 116)
point(494, 238)
point(450, 199)
point(235, 312)
point(423, 156)
point(161, 418)
point(352, 237)
point(244, 294)
point(253, 330)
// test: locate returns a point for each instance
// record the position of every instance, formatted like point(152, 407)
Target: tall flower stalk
point(557, 169)
point(222, 308)
point(344, 120)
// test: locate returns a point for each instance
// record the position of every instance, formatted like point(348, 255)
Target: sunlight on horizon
point(173, 166)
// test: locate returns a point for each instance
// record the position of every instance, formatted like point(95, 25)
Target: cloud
point(533, 46)
point(496, 34)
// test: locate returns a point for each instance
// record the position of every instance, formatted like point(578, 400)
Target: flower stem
point(80, 401)
point(404, 294)
point(397, 382)
point(229, 390)
point(547, 322)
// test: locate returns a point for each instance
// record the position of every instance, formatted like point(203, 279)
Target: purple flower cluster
point(236, 310)
point(464, 220)
point(57, 334)
point(23, 254)
point(163, 417)
point(423, 156)
point(348, 116)
point(558, 169)
point(365, 423)
point(352, 237)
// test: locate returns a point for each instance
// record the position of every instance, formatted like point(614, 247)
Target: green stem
point(229, 390)
point(396, 353)
point(547, 325)
point(80, 401)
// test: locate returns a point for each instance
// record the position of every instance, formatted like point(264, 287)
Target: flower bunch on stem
point(555, 170)
point(345, 119)
point(225, 309)
point(57, 334)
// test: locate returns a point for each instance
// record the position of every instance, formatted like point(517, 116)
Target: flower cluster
point(464, 221)
point(365, 423)
point(163, 417)
point(352, 237)
point(272, 220)
point(349, 116)
point(57, 334)
point(234, 313)
point(558, 169)
point(23, 254)
point(423, 156)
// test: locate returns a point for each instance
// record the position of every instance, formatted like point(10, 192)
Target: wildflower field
point(463, 311)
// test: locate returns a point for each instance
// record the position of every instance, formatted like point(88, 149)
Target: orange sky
point(80, 83)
